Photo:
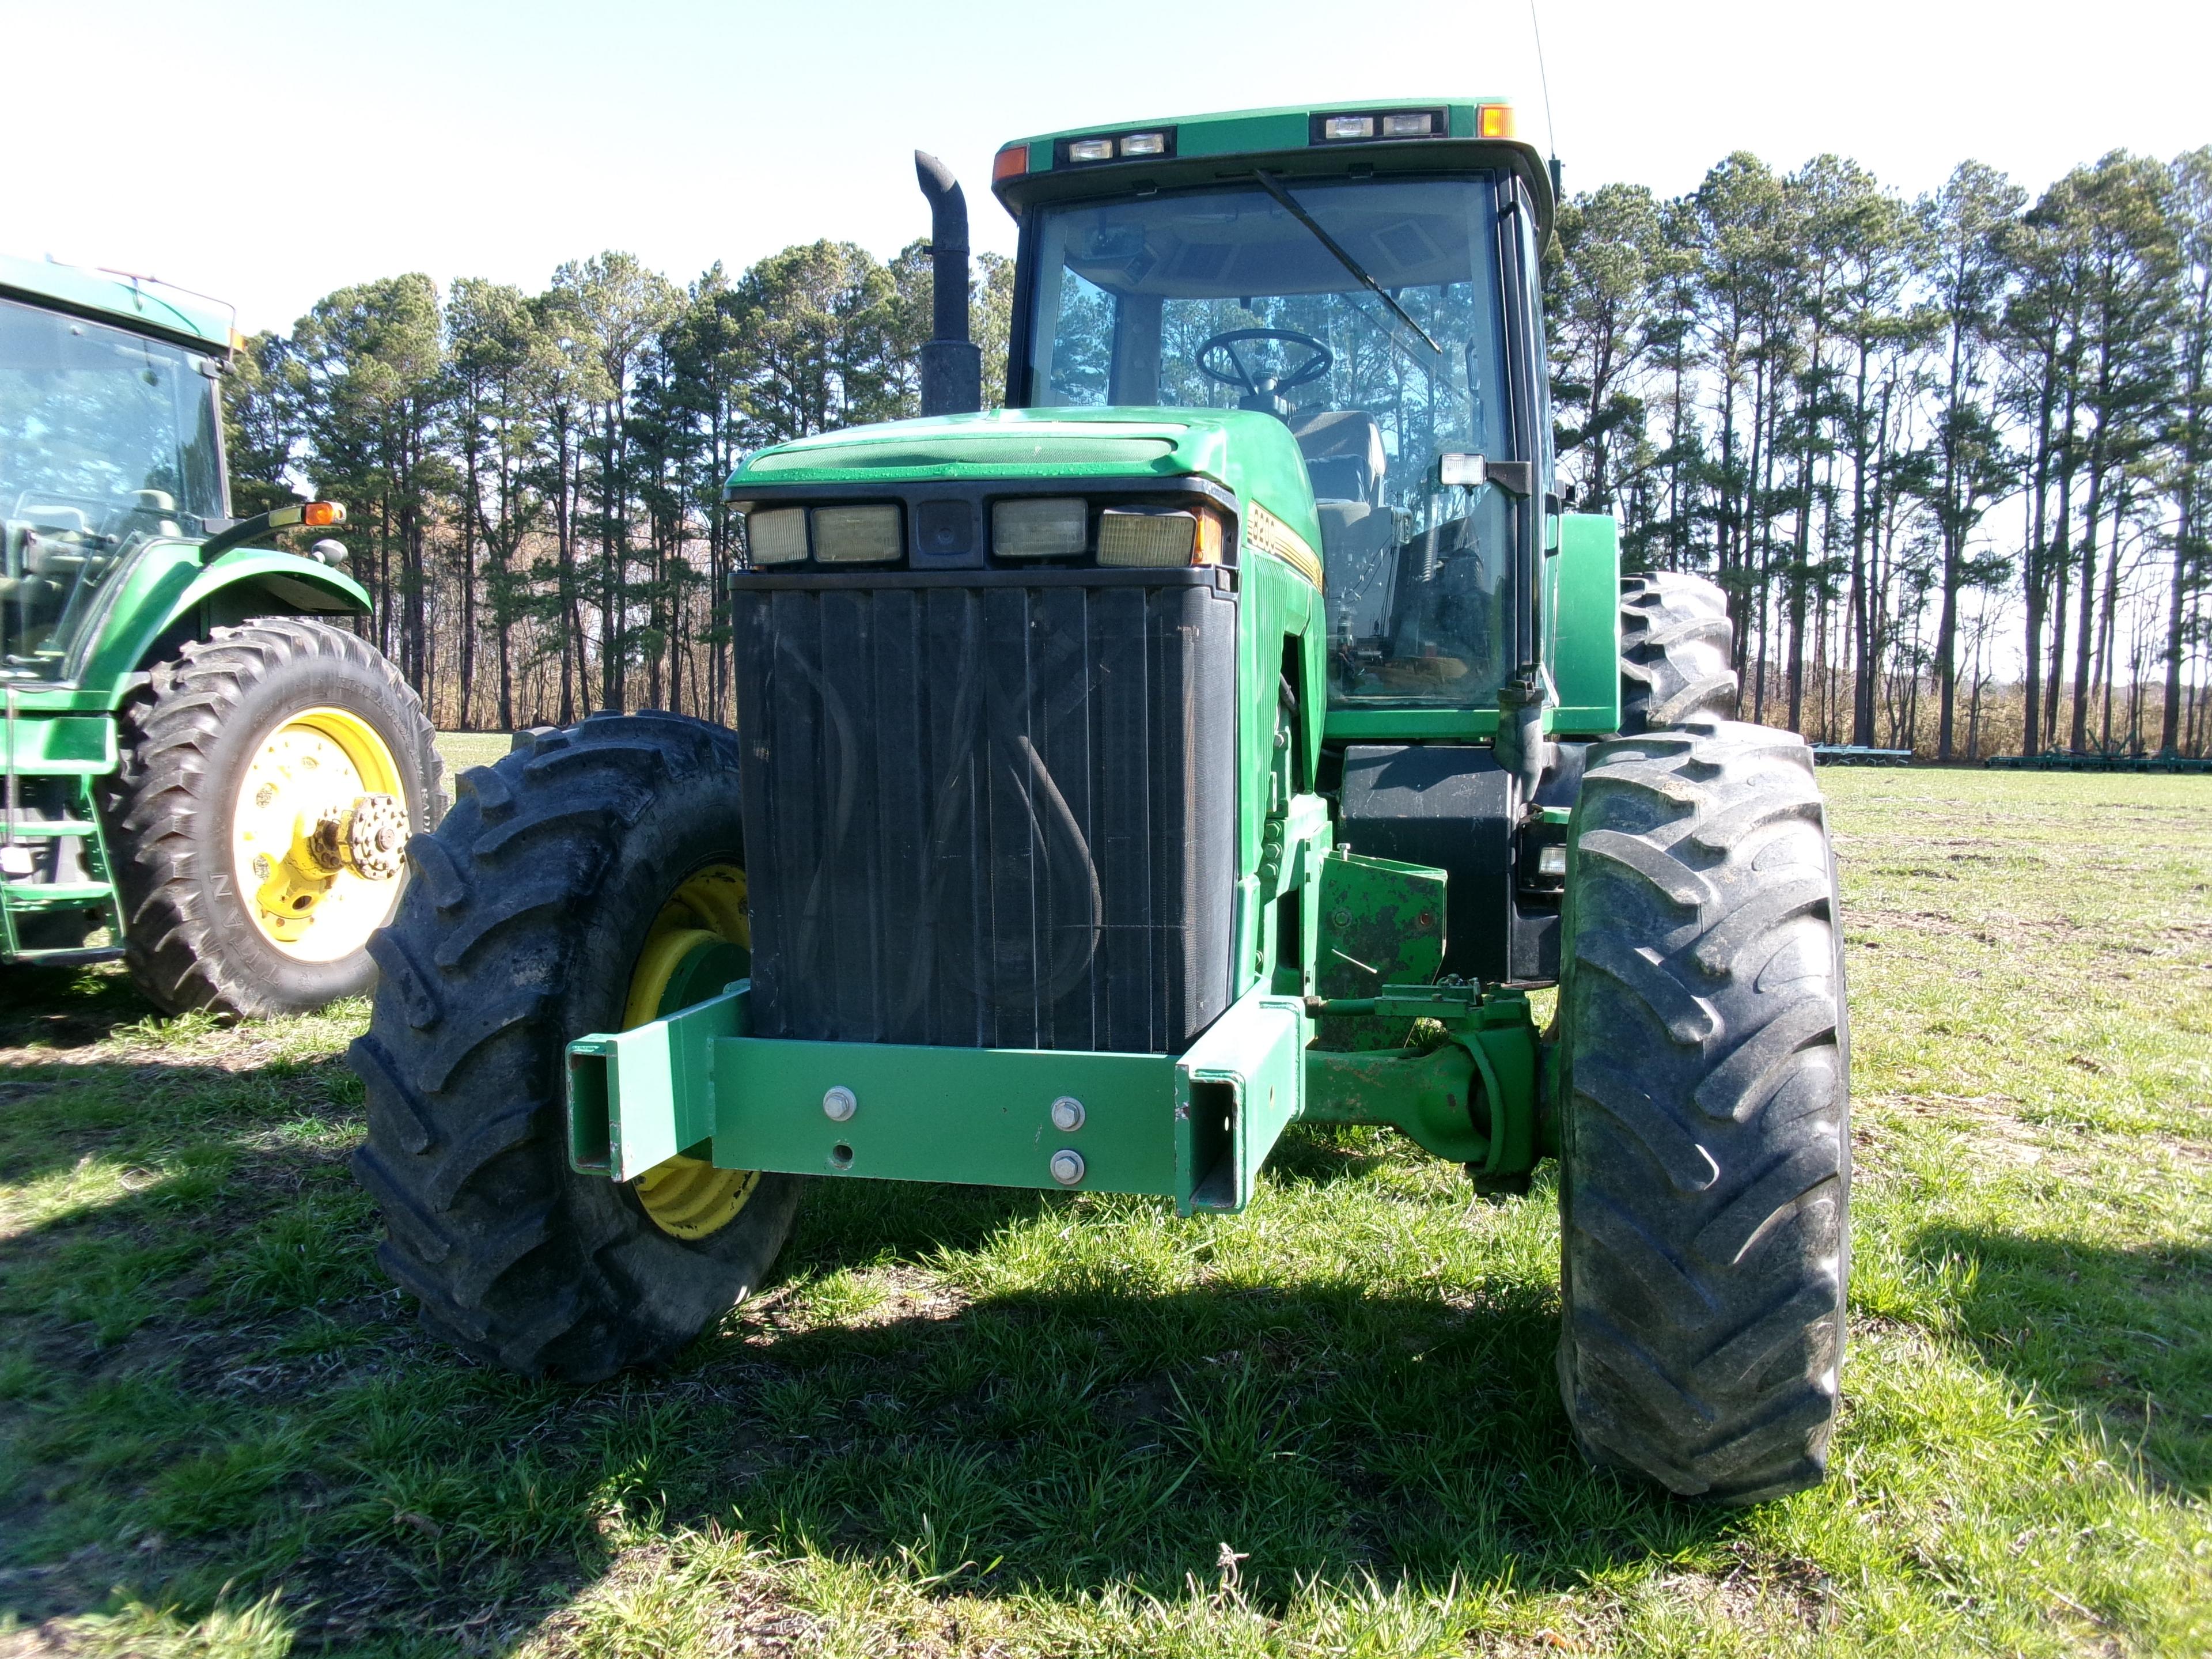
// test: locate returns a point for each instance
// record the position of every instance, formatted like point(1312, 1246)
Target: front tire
point(194, 936)
point(533, 919)
point(1705, 1145)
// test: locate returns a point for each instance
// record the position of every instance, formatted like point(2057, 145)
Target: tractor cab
point(1382, 315)
point(110, 437)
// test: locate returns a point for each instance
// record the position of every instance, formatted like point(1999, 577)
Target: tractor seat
point(1343, 451)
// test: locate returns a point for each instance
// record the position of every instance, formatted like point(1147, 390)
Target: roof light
point(1348, 126)
point(1011, 162)
point(1408, 123)
point(1091, 149)
point(1145, 143)
point(1494, 120)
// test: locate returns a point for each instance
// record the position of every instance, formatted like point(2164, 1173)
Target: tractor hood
point(1252, 454)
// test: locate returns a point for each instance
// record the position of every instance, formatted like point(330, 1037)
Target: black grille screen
point(989, 816)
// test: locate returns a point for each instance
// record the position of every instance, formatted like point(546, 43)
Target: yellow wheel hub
point(688, 1197)
point(312, 775)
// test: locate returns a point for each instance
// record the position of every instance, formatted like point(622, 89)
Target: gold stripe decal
point(1264, 530)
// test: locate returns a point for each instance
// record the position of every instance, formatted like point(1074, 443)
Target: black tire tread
point(514, 1258)
point(1705, 1157)
point(153, 804)
point(1675, 646)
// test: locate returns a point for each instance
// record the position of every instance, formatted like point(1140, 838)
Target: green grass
point(981, 1423)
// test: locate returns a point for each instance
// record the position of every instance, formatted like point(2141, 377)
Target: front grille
point(992, 811)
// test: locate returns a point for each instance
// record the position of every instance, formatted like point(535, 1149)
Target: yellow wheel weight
point(688, 1197)
point(310, 763)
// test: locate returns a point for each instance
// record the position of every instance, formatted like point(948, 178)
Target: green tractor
point(202, 773)
point(1228, 734)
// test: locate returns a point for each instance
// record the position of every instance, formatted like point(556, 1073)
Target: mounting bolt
point(839, 1104)
point(1340, 918)
point(1068, 1166)
point(1067, 1115)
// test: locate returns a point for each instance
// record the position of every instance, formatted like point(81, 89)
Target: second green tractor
point(1230, 732)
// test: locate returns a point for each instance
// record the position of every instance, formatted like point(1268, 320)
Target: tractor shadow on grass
point(65, 1008)
point(1089, 1432)
point(2121, 1336)
point(209, 1383)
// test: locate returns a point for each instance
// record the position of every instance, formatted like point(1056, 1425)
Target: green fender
point(171, 587)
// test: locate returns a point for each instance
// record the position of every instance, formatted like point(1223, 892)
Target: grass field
point(986, 1423)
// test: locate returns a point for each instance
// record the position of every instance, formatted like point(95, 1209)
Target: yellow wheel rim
point(315, 761)
point(688, 1197)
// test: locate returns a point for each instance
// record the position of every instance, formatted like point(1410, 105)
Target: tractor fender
point(245, 582)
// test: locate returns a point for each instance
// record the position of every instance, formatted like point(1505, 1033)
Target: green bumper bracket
point(1195, 1127)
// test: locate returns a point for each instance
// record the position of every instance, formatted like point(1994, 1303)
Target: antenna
point(1551, 137)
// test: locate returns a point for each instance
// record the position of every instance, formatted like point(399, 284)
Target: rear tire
point(187, 739)
point(1705, 1155)
point(1675, 646)
point(520, 932)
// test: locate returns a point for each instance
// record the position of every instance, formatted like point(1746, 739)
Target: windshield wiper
point(1337, 250)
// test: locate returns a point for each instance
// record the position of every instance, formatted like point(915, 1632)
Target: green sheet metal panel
point(46, 744)
point(1582, 603)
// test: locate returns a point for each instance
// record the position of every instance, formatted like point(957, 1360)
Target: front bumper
point(1194, 1127)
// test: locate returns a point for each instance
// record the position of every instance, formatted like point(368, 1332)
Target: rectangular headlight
point(1408, 124)
point(777, 537)
point(1349, 127)
point(1049, 527)
point(1150, 537)
point(1091, 149)
point(857, 535)
point(1145, 143)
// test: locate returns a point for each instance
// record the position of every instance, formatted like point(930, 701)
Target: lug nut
point(1067, 1115)
point(1068, 1166)
point(839, 1104)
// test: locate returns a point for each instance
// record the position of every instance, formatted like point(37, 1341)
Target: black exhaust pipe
point(951, 364)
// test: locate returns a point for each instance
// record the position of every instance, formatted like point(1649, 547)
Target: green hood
point(1252, 454)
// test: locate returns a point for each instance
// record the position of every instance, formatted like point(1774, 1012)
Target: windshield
point(1366, 316)
point(106, 439)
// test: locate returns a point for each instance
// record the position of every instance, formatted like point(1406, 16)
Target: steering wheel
point(1262, 387)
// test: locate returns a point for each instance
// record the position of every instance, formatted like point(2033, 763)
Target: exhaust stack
point(951, 363)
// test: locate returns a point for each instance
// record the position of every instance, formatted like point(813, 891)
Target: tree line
point(1951, 457)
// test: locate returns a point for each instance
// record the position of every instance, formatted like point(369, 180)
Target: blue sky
point(497, 140)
